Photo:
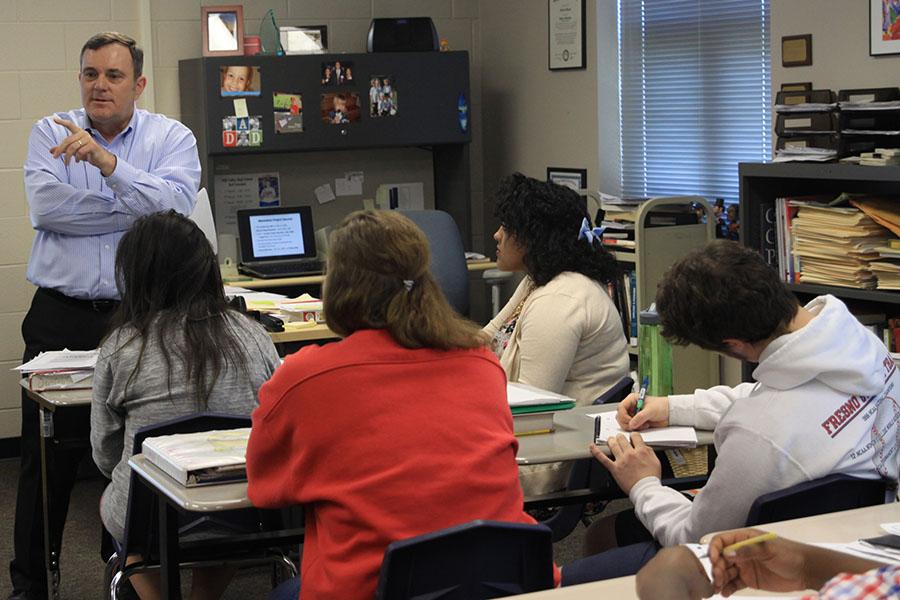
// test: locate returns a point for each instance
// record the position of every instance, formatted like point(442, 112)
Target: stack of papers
point(673, 437)
point(805, 107)
point(60, 370)
point(804, 154)
point(836, 245)
point(58, 360)
point(860, 106)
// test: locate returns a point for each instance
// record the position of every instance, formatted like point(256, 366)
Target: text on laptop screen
point(276, 235)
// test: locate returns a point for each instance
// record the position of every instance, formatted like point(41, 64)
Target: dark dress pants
point(53, 322)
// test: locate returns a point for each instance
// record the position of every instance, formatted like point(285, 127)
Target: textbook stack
point(533, 408)
point(60, 370)
point(619, 215)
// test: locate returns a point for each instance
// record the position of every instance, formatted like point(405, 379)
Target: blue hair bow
point(586, 233)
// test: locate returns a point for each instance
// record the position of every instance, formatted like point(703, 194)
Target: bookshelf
point(656, 249)
point(761, 183)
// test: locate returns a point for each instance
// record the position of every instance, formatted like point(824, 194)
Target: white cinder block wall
point(40, 41)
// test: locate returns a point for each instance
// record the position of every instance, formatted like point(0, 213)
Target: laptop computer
point(277, 242)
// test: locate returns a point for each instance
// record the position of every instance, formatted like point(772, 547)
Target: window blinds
point(694, 94)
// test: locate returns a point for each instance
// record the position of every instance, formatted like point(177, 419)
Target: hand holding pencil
point(756, 559)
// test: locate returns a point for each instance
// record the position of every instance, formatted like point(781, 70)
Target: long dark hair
point(378, 278)
point(545, 219)
point(170, 283)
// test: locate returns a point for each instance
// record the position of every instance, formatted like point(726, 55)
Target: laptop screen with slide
point(276, 234)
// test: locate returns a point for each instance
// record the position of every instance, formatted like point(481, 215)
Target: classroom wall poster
point(245, 190)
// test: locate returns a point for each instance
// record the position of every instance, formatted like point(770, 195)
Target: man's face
point(108, 86)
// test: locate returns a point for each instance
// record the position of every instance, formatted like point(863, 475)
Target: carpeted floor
point(82, 570)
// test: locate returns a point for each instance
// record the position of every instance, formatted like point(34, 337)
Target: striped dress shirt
point(79, 216)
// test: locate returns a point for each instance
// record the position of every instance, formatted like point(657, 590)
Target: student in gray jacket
point(175, 349)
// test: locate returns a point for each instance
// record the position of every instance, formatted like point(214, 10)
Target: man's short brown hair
point(113, 37)
point(723, 291)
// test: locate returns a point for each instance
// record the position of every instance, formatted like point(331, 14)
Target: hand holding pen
point(640, 411)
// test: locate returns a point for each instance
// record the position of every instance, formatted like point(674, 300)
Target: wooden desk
point(49, 403)
point(231, 277)
point(319, 331)
point(845, 526)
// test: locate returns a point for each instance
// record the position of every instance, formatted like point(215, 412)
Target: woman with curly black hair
point(560, 331)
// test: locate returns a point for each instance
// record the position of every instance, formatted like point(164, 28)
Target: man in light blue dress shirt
point(89, 174)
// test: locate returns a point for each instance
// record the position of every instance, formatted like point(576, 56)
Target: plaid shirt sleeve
point(877, 584)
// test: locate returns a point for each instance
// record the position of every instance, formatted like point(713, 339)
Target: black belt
point(103, 305)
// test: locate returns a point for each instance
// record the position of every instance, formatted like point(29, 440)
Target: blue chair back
point(476, 560)
point(616, 393)
point(448, 256)
point(831, 493)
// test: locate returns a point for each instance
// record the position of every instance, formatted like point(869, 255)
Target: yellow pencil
point(730, 550)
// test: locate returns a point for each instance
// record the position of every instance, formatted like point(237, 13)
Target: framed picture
point(796, 50)
point(806, 86)
point(566, 35)
point(884, 27)
point(571, 178)
point(223, 30)
point(312, 39)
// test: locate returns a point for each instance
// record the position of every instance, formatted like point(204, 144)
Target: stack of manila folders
point(60, 370)
point(533, 408)
point(200, 458)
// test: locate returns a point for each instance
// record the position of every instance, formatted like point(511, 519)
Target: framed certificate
point(566, 34)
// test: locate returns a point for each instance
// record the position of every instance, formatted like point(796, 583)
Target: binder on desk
point(201, 458)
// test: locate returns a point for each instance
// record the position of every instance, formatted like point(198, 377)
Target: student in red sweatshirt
point(401, 428)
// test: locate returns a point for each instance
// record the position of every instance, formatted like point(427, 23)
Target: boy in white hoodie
point(825, 398)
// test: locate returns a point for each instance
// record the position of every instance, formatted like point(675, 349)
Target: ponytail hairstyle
point(378, 278)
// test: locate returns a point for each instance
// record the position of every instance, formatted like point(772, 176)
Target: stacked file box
point(806, 123)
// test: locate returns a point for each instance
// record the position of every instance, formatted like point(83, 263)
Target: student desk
point(231, 277)
point(317, 332)
point(175, 498)
point(844, 526)
point(570, 441)
point(574, 433)
point(49, 403)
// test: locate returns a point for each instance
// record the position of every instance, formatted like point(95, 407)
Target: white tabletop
point(53, 399)
point(845, 526)
point(208, 498)
point(574, 433)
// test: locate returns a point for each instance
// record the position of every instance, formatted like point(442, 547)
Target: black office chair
point(473, 561)
point(586, 474)
point(448, 255)
point(831, 493)
point(250, 537)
